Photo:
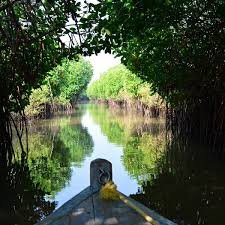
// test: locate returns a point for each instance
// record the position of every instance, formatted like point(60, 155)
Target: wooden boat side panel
point(63, 214)
point(157, 217)
point(115, 213)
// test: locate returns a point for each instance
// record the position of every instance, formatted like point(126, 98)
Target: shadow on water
point(22, 201)
point(182, 181)
point(188, 186)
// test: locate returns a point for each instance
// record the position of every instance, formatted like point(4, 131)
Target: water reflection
point(188, 187)
point(54, 147)
point(180, 180)
point(22, 201)
point(143, 139)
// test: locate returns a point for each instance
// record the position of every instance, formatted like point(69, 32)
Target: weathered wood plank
point(83, 214)
point(157, 217)
point(115, 212)
point(69, 207)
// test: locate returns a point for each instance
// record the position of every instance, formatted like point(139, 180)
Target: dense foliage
point(119, 84)
point(62, 87)
point(177, 46)
point(68, 80)
point(30, 45)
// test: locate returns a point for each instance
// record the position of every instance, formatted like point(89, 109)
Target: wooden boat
point(87, 208)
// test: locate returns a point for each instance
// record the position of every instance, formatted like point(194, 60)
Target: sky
point(101, 63)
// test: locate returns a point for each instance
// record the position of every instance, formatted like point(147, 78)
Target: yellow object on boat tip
point(109, 192)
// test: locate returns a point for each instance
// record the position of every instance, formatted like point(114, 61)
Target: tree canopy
point(70, 79)
point(30, 45)
point(177, 46)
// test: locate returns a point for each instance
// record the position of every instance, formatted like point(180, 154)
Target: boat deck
point(87, 208)
point(94, 211)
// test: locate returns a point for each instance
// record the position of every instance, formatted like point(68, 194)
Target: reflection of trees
point(141, 155)
point(49, 162)
point(188, 187)
point(53, 147)
point(78, 142)
point(179, 180)
point(22, 201)
point(111, 128)
point(143, 140)
point(52, 152)
point(119, 126)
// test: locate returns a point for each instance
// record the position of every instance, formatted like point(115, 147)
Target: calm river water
point(180, 181)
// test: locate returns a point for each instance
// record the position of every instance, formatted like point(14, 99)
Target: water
point(177, 179)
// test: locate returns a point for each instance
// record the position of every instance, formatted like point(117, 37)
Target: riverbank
point(46, 110)
point(156, 110)
point(119, 87)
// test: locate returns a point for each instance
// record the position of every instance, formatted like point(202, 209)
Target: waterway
point(179, 180)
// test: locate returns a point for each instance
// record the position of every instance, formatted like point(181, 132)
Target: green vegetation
point(63, 85)
point(68, 80)
point(176, 46)
point(53, 149)
point(120, 85)
point(143, 140)
point(30, 46)
point(38, 101)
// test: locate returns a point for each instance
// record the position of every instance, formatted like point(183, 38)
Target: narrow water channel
point(182, 182)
